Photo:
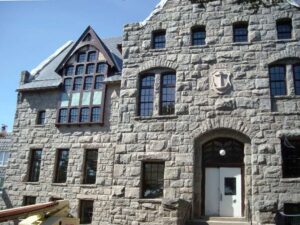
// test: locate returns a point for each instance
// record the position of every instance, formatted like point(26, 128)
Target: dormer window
point(159, 39)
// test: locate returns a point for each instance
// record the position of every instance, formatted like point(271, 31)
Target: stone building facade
point(204, 120)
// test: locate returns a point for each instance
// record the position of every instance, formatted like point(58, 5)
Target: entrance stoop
point(219, 221)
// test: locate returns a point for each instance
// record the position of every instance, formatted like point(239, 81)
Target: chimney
point(24, 77)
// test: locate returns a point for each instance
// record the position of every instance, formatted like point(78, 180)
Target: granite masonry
point(230, 113)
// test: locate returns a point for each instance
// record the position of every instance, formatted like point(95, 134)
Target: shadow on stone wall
point(8, 205)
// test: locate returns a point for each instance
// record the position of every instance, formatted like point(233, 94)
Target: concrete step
point(220, 221)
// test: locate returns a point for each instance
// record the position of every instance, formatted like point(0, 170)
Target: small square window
point(198, 36)
point(153, 179)
point(81, 57)
point(86, 211)
point(240, 32)
point(79, 70)
point(29, 200)
point(92, 56)
point(90, 68)
point(284, 29)
point(35, 165)
point(159, 39)
point(101, 67)
point(41, 117)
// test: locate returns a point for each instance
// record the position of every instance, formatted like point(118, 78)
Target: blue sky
point(32, 30)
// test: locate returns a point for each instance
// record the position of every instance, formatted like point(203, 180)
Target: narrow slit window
point(146, 95)
point(168, 84)
point(290, 150)
point(35, 165)
point(62, 166)
point(90, 168)
point(41, 117)
point(297, 79)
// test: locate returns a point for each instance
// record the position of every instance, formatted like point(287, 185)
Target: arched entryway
point(219, 174)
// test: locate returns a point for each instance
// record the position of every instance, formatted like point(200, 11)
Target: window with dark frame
point(35, 165)
point(86, 211)
point(284, 29)
point(29, 200)
point(277, 76)
point(61, 166)
point(168, 84)
point(240, 32)
point(296, 71)
point(83, 89)
point(291, 209)
point(153, 179)
point(92, 56)
point(63, 116)
point(159, 39)
point(290, 150)
point(90, 166)
point(146, 95)
point(81, 57)
point(73, 115)
point(41, 117)
point(84, 115)
point(198, 35)
point(69, 71)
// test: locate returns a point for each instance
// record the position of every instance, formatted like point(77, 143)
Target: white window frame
point(4, 155)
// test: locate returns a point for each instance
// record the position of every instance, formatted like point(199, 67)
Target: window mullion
point(156, 94)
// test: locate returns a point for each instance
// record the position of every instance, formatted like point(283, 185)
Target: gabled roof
point(155, 11)
point(45, 75)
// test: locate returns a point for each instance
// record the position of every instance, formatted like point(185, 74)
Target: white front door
point(223, 192)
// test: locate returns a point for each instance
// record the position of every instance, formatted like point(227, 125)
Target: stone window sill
point(39, 125)
point(160, 117)
point(77, 124)
point(285, 40)
point(150, 200)
point(282, 97)
point(59, 184)
point(158, 49)
point(290, 180)
point(241, 43)
point(32, 183)
point(88, 185)
point(198, 46)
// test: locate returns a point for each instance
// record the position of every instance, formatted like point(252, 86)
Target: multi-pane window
point(61, 166)
point(73, 115)
point(99, 81)
point(35, 165)
point(198, 36)
point(168, 83)
point(84, 115)
point(69, 70)
point(86, 211)
point(153, 179)
point(67, 84)
point(284, 29)
point(88, 83)
point(41, 117)
point(63, 116)
point(29, 200)
point(101, 67)
point(95, 114)
point(290, 149)
point(90, 68)
point(277, 80)
point(240, 32)
point(92, 56)
point(146, 95)
point(77, 83)
point(4, 158)
point(81, 57)
point(79, 70)
point(84, 88)
point(90, 166)
point(296, 71)
point(159, 39)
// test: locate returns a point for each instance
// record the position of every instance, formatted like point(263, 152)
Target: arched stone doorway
point(220, 174)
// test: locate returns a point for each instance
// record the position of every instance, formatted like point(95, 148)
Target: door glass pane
point(230, 185)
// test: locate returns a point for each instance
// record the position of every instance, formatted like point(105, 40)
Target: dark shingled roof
point(46, 76)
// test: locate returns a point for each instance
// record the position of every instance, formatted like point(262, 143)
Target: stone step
point(219, 221)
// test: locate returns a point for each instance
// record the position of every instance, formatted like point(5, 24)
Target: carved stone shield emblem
point(221, 82)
